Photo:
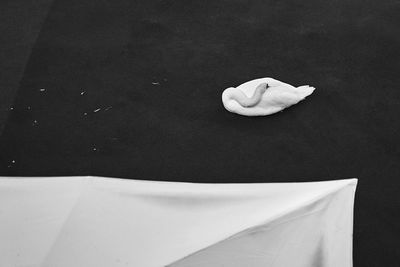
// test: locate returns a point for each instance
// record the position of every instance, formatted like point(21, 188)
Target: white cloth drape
point(94, 221)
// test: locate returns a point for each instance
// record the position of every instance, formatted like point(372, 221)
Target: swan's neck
point(245, 101)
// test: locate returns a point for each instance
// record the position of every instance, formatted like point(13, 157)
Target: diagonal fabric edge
point(289, 214)
point(156, 204)
point(83, 190)
point(32, 212)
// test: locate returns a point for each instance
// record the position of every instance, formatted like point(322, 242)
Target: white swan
point(263, 96)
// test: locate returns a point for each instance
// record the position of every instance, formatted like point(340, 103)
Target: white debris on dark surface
point(96, 110)
point(35, 122)
point(42, 89)
point(83, 92)
point(84, 114)
point(108, 108)
point(12, 163)
point(155, 83)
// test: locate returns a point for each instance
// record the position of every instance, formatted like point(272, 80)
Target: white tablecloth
point(95, 221)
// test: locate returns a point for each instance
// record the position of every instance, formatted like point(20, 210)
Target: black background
point(156, 71)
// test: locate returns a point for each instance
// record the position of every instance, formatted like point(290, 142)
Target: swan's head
point(262, 87)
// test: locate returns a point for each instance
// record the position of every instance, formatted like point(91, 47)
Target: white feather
point(245, 100)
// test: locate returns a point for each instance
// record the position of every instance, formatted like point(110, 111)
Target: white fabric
point(94, 221)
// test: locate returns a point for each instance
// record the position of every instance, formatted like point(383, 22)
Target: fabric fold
point(116, 222)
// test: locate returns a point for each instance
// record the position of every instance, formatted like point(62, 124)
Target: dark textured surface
point(177, 129)
point(20, 23)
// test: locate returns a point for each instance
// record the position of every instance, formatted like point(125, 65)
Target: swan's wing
point(249, 87)
point(305, 90)
point(280, 97)
point(290, 94)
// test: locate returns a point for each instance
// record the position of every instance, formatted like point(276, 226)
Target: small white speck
point(13, 161)
point(155, 83)
point(29, 107)
point(94, 149)
point(35, 122)
point(42, 89)
point(11, 108)
point(83, 92)
point(97, 110)
point(84, 114)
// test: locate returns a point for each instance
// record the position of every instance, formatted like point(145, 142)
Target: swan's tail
point(305, 90)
